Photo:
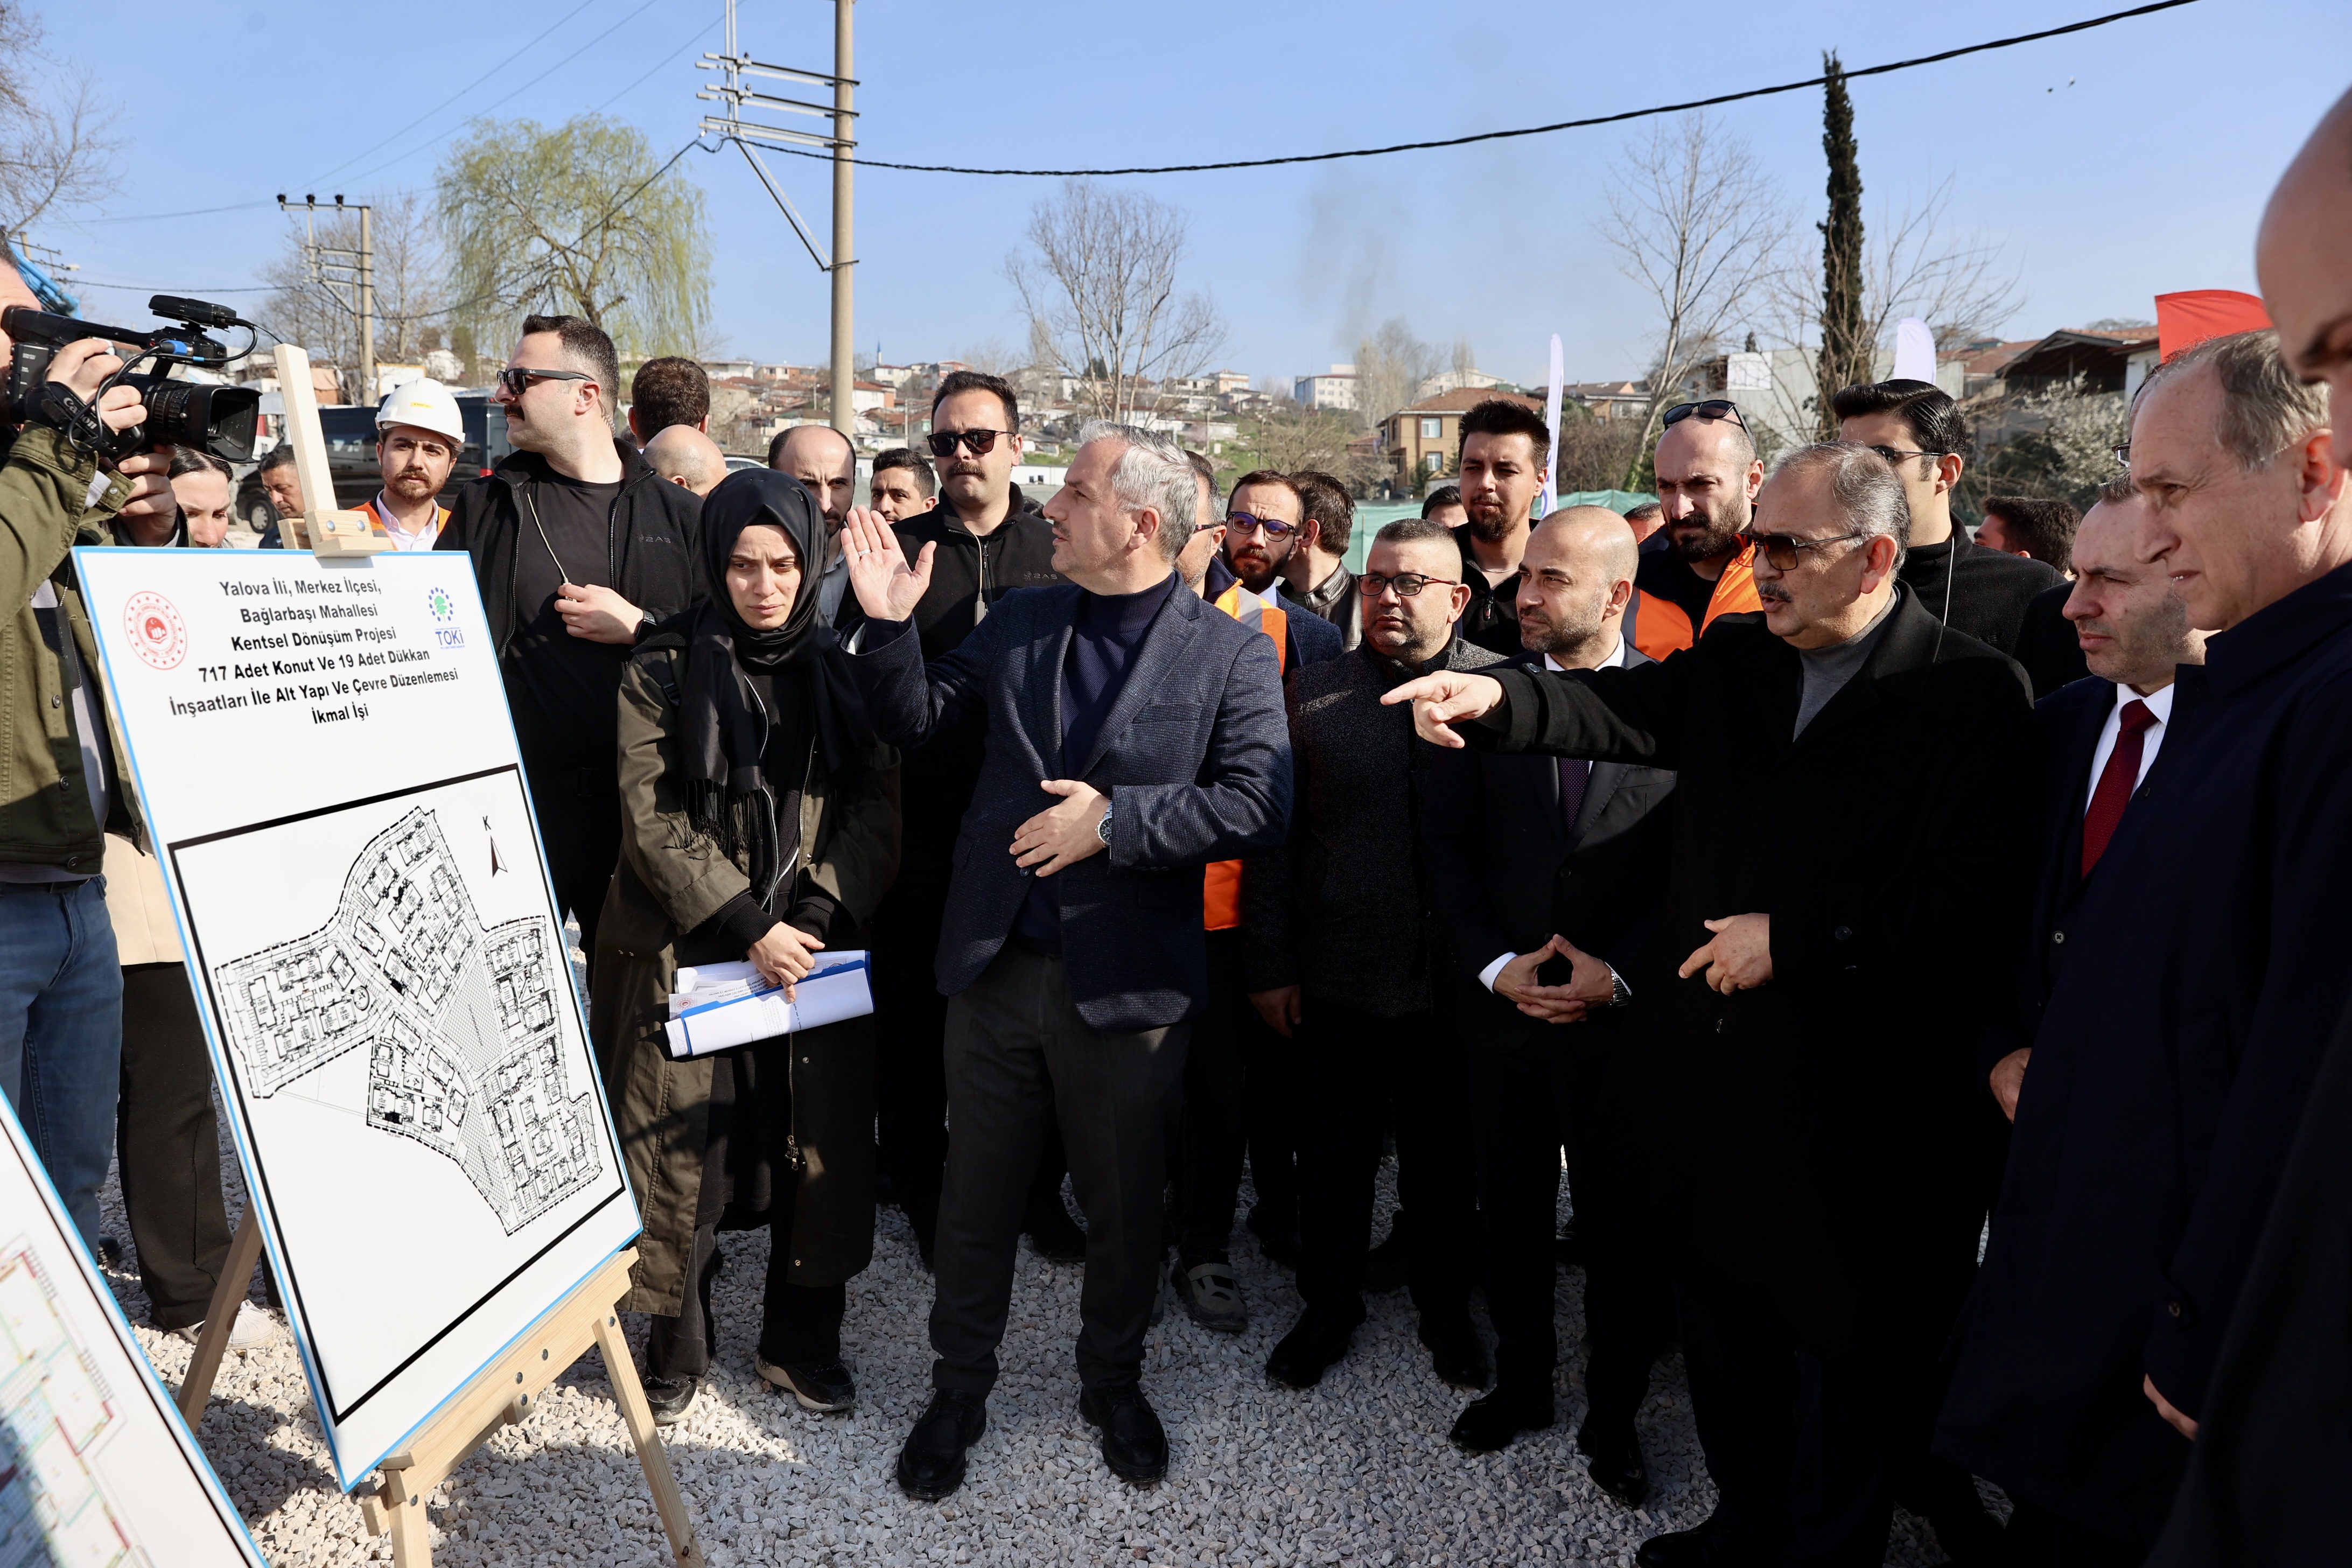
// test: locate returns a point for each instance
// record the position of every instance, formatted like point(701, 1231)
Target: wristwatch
point(1102, 825)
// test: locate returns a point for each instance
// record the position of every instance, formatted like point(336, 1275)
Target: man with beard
point(1708, 475)
point(1502, 465)
point(418, 434)
point(822, 458)
point(1317, 572)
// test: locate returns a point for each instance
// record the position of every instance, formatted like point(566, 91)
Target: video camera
point(222, 420)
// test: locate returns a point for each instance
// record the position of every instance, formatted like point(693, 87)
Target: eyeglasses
point(1205, 527)
point(1713, 408)
point(1897, 454)
point(1243, 523)
point(1407, 583)
point(1784, 551)
point(517, 378)
point(2122, 449)
point(944, 442)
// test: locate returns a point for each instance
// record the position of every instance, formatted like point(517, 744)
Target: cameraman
point(62, 782)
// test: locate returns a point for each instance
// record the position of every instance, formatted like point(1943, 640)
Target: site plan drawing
point(458, 1020)
point(54, 1409)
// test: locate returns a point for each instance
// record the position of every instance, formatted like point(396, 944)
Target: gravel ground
point(1357, 1471)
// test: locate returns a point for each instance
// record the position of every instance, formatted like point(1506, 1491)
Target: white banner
point(333, 783)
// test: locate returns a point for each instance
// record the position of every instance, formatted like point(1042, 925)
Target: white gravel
point(1357, 1471)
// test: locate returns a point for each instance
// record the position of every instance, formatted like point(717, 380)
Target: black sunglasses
point(1896, 455)
point(1713, 408)
point(1784, 551)
point(944, 442)
point(517, 378)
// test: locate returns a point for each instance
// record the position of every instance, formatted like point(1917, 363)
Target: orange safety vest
point(1661, 627)
point(1221, 883)
point(382, 525)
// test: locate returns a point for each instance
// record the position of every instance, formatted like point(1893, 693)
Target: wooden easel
point(320, 529)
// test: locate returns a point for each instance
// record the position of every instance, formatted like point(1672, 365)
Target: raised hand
point(886, 587)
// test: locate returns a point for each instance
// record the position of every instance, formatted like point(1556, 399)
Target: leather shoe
point(1314, 1345)
point(1455, 1352)
point(667, 1397)
point(1053, 1235)
point(1488, 1426)
point(823, 1386)
point(1708, 1546)
point(1134, 1443)
point(1613, 1460)
point(931, 1465)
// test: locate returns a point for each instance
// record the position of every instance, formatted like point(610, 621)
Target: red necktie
point(2116, 784)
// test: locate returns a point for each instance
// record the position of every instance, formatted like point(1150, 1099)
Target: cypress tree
point(1846, 356)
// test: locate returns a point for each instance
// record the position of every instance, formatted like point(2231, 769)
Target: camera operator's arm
point(45, 488)
point(148, 497)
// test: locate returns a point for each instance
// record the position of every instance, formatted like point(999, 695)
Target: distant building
point(1424, 441)
point(1446, 381)
point(1609, 399)
point(718, 367)
point(1334, 389)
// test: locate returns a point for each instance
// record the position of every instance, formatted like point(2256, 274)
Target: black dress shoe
point(931, 1465)
point(1455, 1352)
point(1487, 1425)
point(1134, 1443)
point(1053, 1235)
point(668, 1397)
point(1276, 1237)
point(1315, 1344)
point(1708, 1546)
point(1386, 1266)
point(823, 1386)
point(1614, 1462)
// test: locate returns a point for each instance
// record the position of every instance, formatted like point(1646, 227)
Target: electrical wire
point(1522, 131)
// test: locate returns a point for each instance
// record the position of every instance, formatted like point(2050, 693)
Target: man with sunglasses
point(1341, 956)
point(578, 545)
point(1847, 808)
point(1708, 476)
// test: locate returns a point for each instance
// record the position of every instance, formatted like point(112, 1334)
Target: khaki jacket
point(672, 878)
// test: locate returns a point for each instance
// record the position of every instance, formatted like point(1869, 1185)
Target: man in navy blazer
point(2203, 970)
point(1133, 734)
point(1533, 858)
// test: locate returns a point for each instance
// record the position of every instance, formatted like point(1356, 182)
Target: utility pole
point(347, 275)
point(747, 135)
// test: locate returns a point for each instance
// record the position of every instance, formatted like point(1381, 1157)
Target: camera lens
point(222, 420)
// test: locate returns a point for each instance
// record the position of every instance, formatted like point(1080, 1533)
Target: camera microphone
point(194, 312)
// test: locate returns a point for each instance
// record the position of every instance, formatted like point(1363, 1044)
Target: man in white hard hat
point(418, 434)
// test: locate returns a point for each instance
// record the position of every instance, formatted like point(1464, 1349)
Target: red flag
point(2184, 321)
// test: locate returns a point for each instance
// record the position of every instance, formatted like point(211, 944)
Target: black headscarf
point(727, 726)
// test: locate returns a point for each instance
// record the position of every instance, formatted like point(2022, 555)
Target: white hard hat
point(427, 404)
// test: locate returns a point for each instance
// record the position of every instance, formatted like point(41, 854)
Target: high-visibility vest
point(1661, 627)
point(382, 524)
point(1221, 882)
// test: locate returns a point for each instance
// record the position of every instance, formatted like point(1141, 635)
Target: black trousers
point(1800, 1445)
point(2038, 1538)
point(167, 1144)
point(798, 1323)
point(1529, 1099)
point(1238, 1095)
point(1018, 1053)
point(1354, 1070)
point(579, 822)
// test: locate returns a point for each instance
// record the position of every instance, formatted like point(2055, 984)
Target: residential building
point(1334, 389)
point(1446, 381)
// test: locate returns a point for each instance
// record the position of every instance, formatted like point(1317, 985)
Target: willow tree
point(582, 220)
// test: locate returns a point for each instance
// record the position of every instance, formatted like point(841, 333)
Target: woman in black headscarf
point(758, 821)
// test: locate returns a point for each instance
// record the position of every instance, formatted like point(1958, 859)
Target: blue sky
point(2145, 174)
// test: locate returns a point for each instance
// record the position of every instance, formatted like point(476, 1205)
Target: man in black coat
point(1150, 727)
point(578, 546)
point(1536, 861)
point(2203, 973)
point(1846, 769)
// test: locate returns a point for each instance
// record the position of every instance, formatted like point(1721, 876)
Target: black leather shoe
point(1455, 1352)
point(1614, 1462)
point(1276, 1237)
point(931, 1465)
point(1386, 1268)
point(1053, 1235)
point(1134, 1443)
point(1488, 1426)
point(1315, 1344)
point(668, 1397)
point(1708, 1546)
point(823, 1386)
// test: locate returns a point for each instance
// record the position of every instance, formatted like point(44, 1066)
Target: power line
point(865, 163)
point(692, 39)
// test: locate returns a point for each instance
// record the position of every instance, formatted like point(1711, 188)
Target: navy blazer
point(1506, 872)
point(1195, 757)
point(2204, 972)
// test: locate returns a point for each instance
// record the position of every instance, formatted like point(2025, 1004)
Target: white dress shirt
point(2151, 739)
point(1616, 660)
point(423, 539)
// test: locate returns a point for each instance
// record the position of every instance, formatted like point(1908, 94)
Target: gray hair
point(1414, 531)
point(1863, 485)
point(2265, 408)
point(1153, 471)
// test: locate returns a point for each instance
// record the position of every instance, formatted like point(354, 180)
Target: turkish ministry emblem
point(157, 634)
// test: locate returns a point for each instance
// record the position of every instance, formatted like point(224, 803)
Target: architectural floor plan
point(459, 1021)
point(55, 1410)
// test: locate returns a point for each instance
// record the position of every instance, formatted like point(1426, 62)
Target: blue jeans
point(61, 1033)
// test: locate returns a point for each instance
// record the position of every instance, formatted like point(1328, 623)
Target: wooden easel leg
point(630, 1395)
point(228, 1295)
point(412, 1531)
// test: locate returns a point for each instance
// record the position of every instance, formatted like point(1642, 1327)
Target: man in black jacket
point(578, 547)
point(1504, 445)
point(1340, 953)
point(1317, 571)
point(1844, 802)
point(1132, 735)
point(1531, 860)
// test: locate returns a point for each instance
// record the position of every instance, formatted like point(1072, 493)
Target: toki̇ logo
point(444, 618)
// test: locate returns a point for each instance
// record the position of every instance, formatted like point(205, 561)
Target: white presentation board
point(331, 776)
point(97, 1469)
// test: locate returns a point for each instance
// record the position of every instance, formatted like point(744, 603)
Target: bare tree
point(1698, 222)
point(1913, 265)
point(410, 291)
point(1289, 441)
point(58, 149)
point(1391, 366)
point(991, 355)
point(1099, 286)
